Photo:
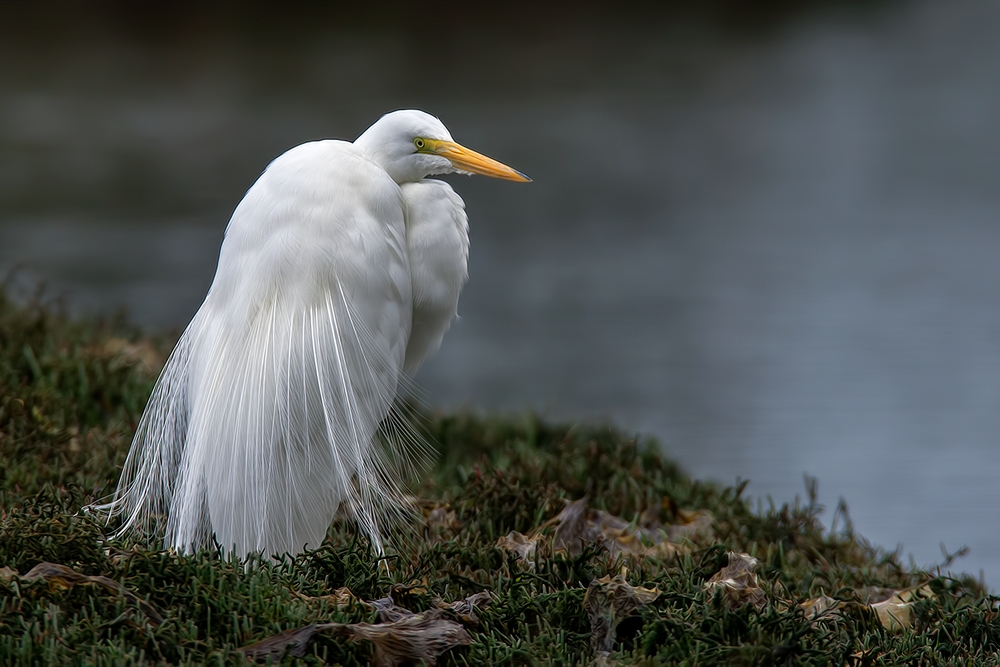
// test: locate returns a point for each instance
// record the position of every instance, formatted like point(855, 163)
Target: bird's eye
point(418, 142)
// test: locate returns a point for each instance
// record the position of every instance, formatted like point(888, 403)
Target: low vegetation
point(532, 543)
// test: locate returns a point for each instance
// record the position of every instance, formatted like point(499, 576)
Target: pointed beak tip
point(472, 162)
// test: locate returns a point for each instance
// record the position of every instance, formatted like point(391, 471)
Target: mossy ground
point(71, 392)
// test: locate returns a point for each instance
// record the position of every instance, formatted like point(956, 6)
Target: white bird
point(340, 272)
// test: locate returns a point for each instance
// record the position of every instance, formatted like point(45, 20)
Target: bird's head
point(411, 144)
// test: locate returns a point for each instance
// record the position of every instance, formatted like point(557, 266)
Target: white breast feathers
point(437, 240)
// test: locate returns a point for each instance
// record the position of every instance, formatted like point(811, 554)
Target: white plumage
point(340, 272)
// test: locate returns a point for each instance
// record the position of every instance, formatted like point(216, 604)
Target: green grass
point(69, 401)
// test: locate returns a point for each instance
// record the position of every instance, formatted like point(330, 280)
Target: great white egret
point(340, 272)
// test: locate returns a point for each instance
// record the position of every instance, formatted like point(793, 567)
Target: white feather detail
point(265, 419)
point(437, 242)
point(340, 272)
point(281, 429)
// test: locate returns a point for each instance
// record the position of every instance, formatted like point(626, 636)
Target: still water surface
point(778, 254)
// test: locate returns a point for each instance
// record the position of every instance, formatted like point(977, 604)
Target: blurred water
point(777, 252)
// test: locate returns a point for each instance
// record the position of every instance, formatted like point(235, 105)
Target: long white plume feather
point(259, 437)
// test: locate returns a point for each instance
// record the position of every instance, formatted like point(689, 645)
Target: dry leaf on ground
point(894, 612)
point(525, 546)
point(342, 597)
point(465, 609)
point(402, 638)
point(820, 607)
point(696, 526)
point(578, 526)
point(388, 611)
point(607, 602)
point(59, 576)
point(738, 580)
point(438, 516)
point(415, 638)
point(892, 607)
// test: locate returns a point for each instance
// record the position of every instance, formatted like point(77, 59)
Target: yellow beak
point(473, 162)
